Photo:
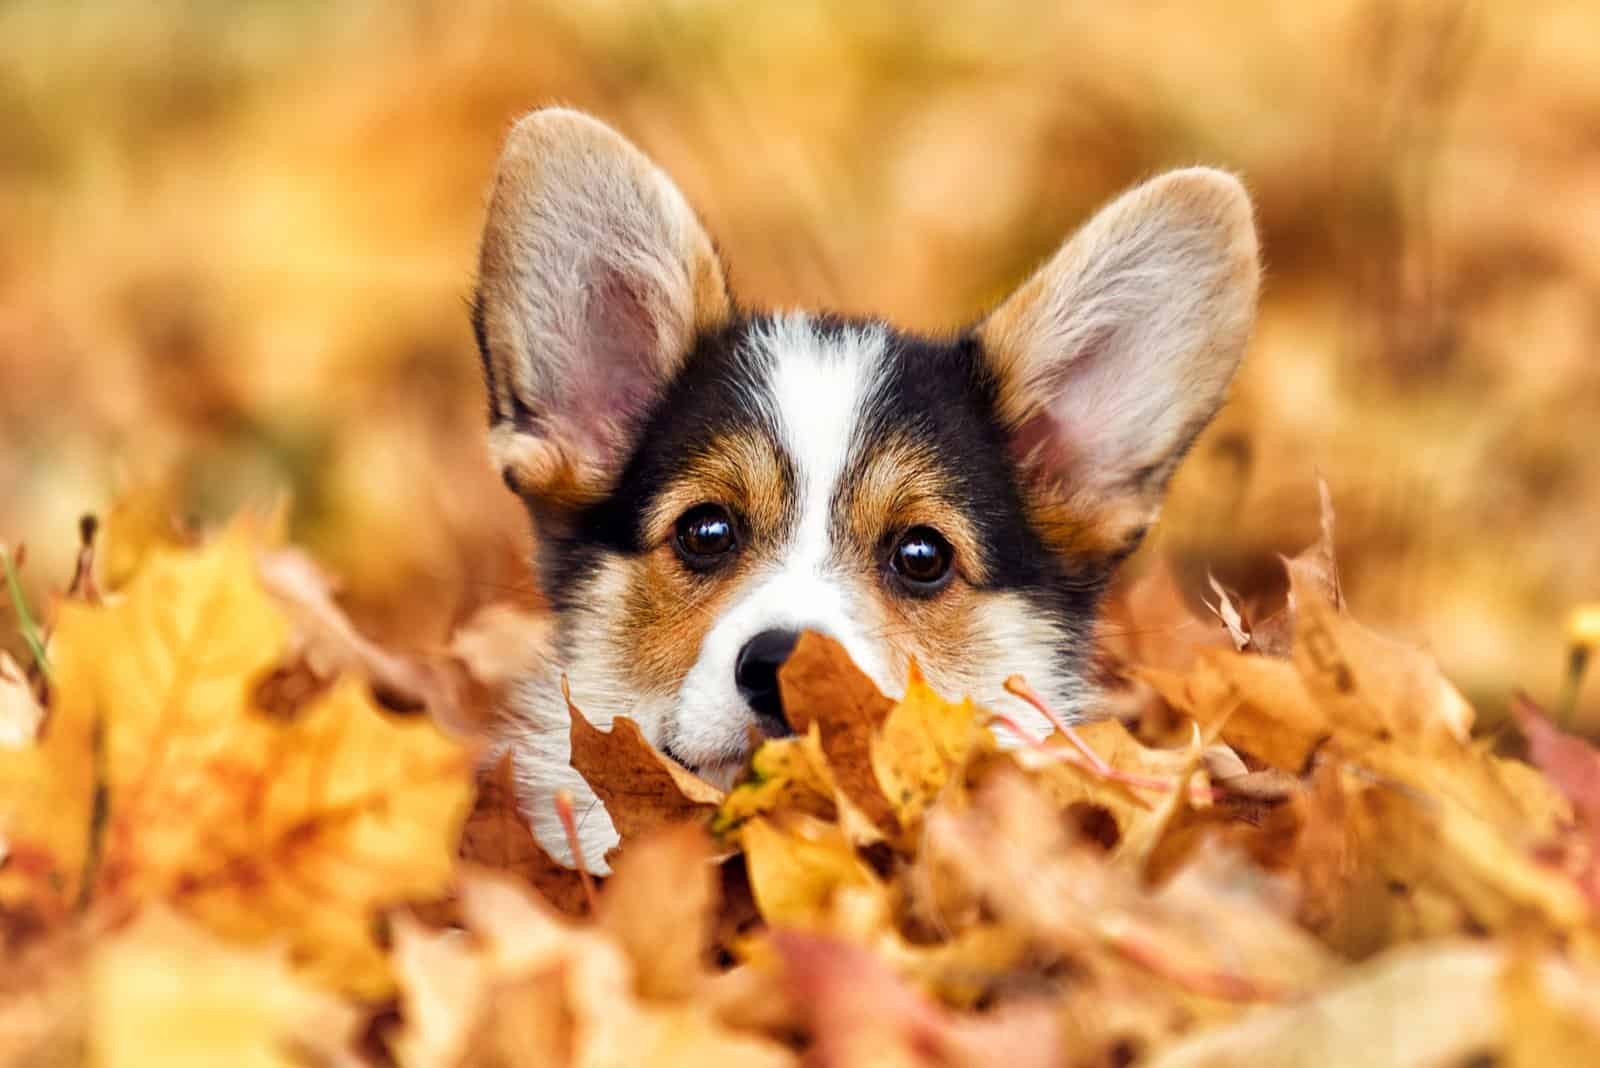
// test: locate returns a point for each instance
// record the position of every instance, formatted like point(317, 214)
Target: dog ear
point(1113, 357)
point(595, 277)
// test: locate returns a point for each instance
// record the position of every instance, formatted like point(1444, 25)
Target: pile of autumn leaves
point(234, 832)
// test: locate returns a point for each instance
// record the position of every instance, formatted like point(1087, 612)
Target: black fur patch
point(943, 393)
point(709, 396)
point(940, 392)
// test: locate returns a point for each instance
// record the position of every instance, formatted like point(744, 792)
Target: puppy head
point(708, 483)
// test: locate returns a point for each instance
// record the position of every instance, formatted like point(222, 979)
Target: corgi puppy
point(707, 481)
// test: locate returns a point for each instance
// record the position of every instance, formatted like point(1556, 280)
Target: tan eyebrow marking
point(901, 483)
point(740, 469)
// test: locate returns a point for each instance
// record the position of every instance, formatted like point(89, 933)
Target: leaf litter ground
point(235, 831)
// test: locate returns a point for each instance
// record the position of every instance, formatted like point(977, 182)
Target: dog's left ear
point(1112, 358)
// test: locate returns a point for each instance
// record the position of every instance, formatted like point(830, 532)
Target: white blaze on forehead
point(818, 383)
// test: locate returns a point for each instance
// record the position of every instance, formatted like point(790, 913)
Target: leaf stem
point(569, 823)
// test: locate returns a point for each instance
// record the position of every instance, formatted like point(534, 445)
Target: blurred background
point(237, 241)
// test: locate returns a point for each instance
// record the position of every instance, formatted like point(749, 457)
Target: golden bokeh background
point(237, 241)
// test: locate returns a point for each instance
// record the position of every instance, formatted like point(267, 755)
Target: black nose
point(756, 673)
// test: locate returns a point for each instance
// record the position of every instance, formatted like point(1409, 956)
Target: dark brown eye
point(705, 536)
point(921, 560)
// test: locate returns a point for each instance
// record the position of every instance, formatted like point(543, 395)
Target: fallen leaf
point(44, 1011)
point(1422, 1006)
point(1134, 810)
point(861, 1013)
point(924, 744)
point(165, 992)
point(822, 686)
point(47, 797)
point(139, 525)
point(1552, 1013)
point(443, 984)
point(785, 774)
point(1227, 612)
point(1569, 761)
point(498, 647)
point(797, 869)
point(1314, 571)
point(463, 688)
point(496, 835)
point(642, 789)
point(551, 995)
point(666, 936)
point(265, 829)
point(1014, 856)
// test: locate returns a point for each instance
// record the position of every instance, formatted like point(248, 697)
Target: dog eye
point(922, 560)
point(705, 536)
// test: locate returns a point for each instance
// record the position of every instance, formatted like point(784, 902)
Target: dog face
point(708, 483)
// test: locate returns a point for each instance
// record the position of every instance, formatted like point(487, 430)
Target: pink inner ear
point(618, 376)
point(1040, 446)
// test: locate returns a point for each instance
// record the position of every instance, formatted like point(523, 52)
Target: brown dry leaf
point(1345, 897)
point(500, 645)
point(1423, 1006)
point(1218, 928)
point(822, 686)
point(44, 1000)
point(1315, 569)
point(1228, 613)
point(1259, 704)
point(1377, 702)
point(1147, 621)
point(1382, 862)
point(923, 746)
point(1135, 811)
point(265, 829)
point(1371, 685)
point(666, 935)
point(462, 688)
point(497, 836)
point(642, 789)
point(1187, 791)
point(166, 993)
point(1313, 572)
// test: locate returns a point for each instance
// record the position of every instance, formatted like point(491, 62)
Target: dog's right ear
point(595, 278)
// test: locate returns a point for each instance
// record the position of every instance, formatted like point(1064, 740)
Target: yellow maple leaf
point(263, 828)
point(797, 869)
point(923, 744)
point(166, 992)
point(46, 811)
point(786, 774)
